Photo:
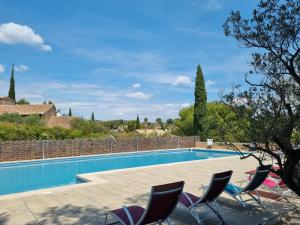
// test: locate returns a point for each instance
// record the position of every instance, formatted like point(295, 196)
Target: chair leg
point(196, 215)
point(281, 192)
point(105, 219)
point(240, 200)
point(215, 211)
point(258, 200)
point(218, 207)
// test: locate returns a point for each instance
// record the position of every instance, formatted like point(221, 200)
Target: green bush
point(58, 133)
point(12, 132)
point(22, 101)
point(11, 117)
point(32, 120)
point(88, 127)
point(185, 123)
point(131, 125)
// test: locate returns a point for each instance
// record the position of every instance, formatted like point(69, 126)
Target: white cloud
point(184, 105)
point(27, 96)
point(106, 102)
point(12, 33)
point(138, 95)
point(21, 68)
point(122, 58)
point(2, 69)
point(210, 82)
point(214, 4)
point(137, 85)
point(181, 80)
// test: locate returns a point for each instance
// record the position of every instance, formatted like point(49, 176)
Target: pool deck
point(85, 203)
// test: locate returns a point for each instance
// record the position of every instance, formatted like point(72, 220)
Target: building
point(45, 111)
point(6, 101)
point(61, 121)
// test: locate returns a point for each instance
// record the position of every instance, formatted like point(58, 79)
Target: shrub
point(58, 133)
point(10, 131)
point(11, 117)
point(33, 120)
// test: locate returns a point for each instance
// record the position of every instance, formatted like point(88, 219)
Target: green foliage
point(131, 125)
point(22, 101)
point(11, 117)
point(33, 120)
point(58, 133)
point(200, 105)
point(137, 122)
point(224, 124)
point(296, 136)
point(88, 127)
point(185, 123)
point(93, 116)
point(12, 92)
point(11, 132)
point(170, 121)
point(160, 122)
point(113, 124)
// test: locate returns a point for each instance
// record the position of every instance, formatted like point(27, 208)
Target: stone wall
point(42, 149)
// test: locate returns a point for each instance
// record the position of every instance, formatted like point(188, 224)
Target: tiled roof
point(61, 121)
point(5, 98)
point(6, 101)
point(24, 110)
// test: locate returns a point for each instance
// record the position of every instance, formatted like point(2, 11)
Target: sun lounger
point(163, 200)
point(257, 179)
point(191, 202)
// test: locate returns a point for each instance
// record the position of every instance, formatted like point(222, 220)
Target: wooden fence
point(42, 149)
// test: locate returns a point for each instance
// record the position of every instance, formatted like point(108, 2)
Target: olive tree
point(273, 33)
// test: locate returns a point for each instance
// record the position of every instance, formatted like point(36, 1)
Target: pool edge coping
point(93, 179)
point(116, 153)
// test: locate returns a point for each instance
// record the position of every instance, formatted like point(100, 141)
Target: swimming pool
point(39, 174)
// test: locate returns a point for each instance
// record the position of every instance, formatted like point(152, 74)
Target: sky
point(119, 58)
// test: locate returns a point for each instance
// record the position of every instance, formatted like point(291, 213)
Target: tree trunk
point(291, 171)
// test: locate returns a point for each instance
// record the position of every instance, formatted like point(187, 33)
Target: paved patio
point(84, 203)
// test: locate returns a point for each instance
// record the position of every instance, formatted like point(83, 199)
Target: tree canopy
point(200, 105)
point(273, 33)
point(137, 122)
point(22, 101)
point(11, 91)
point(70, 112)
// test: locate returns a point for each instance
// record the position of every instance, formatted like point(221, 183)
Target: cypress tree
point(12, 92)
point(70, 112)
point(93, 116)
point(137, 122)
point(200, 105)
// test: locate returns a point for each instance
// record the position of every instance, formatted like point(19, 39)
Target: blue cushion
point(232, 189)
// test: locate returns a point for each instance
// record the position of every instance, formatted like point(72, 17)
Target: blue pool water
point(33, 175)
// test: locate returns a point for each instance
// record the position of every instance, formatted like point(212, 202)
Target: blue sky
point(119, 58)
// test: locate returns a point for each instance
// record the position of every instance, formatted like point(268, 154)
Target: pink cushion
point(271, 183)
